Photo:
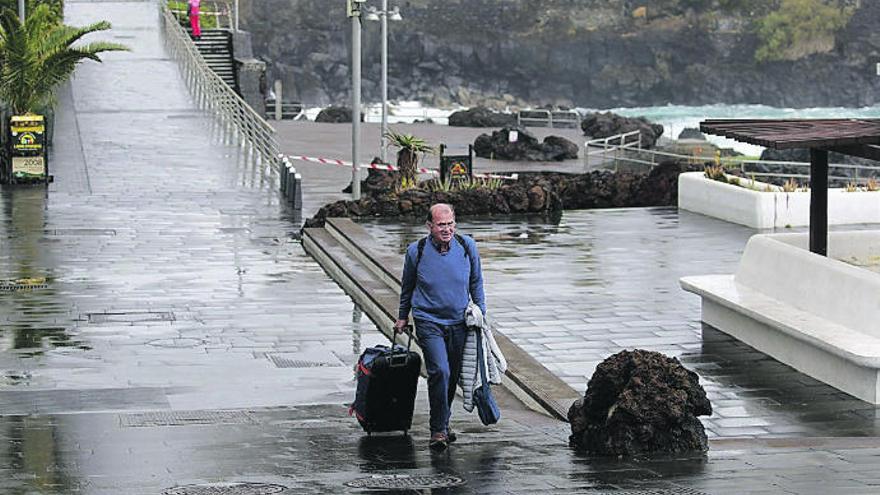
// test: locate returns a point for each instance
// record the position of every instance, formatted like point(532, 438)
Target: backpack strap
point(421, 250)
point(420, 247)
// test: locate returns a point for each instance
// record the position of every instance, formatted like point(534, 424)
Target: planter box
point(767, 210)
point(818, 315)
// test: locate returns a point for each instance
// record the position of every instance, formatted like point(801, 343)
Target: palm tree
point(37, 56)
point(408, 155)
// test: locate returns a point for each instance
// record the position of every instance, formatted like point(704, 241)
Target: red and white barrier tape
point(378, 166)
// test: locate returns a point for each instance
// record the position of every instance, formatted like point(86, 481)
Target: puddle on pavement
point(32, 341)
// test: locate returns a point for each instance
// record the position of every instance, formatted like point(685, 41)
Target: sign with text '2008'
point(28, 145)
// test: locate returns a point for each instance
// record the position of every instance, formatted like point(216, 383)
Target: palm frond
point(40, 54)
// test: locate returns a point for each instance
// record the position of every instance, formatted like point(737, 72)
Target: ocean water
point(673, 118)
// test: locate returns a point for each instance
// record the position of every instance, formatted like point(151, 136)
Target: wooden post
point(819, 201)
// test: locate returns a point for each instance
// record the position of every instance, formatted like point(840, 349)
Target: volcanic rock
point(481, 117)
point(335, 115)
point(640, 402)
point(602, 125)
point(691, 133)
point(526, 147)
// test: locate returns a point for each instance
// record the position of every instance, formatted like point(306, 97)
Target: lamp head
point(394, 15)
point(372, 14)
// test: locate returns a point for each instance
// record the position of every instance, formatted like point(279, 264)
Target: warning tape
point(380, 166)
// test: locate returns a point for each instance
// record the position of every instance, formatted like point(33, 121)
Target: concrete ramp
point(344, 250)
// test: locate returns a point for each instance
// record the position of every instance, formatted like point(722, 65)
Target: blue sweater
point(439, 291)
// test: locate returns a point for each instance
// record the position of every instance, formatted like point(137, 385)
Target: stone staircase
point(216, 48)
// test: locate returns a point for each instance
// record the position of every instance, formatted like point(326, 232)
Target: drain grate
point(23, 284)
point(185, 418)
point(78, 232)
point(296, 360)
point(130, 317)
point(406, 482)
point(227, 489)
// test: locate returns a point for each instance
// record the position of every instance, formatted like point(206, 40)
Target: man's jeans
point(443, 347)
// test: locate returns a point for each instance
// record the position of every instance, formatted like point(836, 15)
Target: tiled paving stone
point(169, 262)
point(318, 449)
point(198, 233)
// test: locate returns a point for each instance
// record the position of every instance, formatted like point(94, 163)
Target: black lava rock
point(526, 147)
point(480, 117)
point(640, 402)
point(691, 133)
point(335, 115)
point(602, 125)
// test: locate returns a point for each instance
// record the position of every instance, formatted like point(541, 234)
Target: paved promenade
point(183, 336)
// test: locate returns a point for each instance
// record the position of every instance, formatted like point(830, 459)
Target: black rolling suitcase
point(386, 388)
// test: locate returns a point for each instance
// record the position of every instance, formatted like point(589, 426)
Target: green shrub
point(799, 28)
point(206, 20)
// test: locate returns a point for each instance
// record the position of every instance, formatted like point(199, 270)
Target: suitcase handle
point(398, 359)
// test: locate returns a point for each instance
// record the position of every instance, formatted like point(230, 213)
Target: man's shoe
point(438, 442)
point(451, 436)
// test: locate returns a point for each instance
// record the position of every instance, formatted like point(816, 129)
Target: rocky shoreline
point(535, 193)
point(591, 54)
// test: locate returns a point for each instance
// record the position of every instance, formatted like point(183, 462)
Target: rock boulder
point(602, 125)
point(526, 147)
point(335, 115)
point(640, 402)
point(481, 117)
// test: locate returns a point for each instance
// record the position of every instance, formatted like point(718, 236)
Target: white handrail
point(239, 121)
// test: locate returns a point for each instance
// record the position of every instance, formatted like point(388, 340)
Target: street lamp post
point(382, 15)
point(354, 12)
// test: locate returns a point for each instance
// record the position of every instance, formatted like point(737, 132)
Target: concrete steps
point(372, 279)
point(215, 46)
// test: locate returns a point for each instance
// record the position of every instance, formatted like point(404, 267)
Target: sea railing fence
point(840, 173)
point(548, 118)
point(613, 146)
point(627, 148)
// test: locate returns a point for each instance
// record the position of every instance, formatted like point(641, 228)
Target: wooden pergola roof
point(848, 136)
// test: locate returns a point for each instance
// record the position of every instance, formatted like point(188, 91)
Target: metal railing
point(612, 145)
point(548, 118)
point(284, 109)
point(238, 121)
point(622, 147)
point(857, 177)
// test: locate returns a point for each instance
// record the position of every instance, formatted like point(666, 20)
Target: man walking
point(441, 275)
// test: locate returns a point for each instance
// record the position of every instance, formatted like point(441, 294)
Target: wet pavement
point(182, 336)
point(601, 281)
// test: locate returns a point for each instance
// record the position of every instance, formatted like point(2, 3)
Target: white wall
point(765, 210)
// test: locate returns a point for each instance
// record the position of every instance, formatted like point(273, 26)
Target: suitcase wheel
point(404, 432)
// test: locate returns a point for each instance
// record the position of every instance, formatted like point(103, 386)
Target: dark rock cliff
point(590, 53)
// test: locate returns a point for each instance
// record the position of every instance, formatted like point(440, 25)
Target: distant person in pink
point(193, 12)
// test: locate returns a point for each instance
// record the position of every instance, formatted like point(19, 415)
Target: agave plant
point(38, 55)
point(408, 155)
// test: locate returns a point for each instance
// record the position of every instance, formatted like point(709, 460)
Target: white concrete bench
point(816, 314)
